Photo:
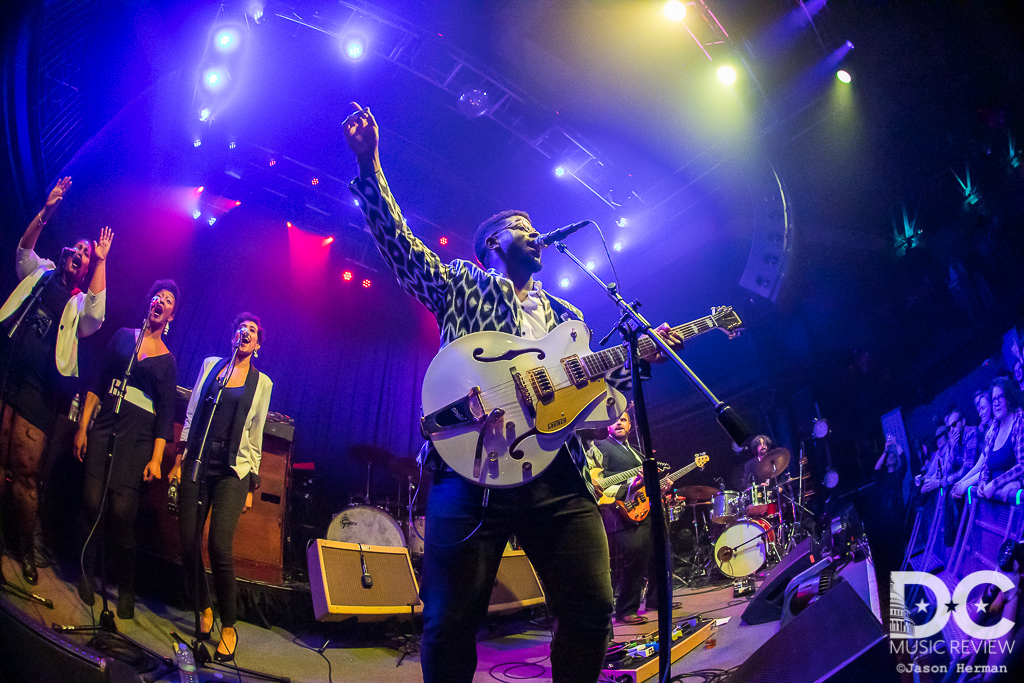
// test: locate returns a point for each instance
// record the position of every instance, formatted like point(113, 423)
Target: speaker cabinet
point(516, 585)
point(766, 605)
point(835, 638)
point(336, 573)
point(31, 653)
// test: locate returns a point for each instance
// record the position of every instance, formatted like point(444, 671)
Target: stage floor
point(510, 648)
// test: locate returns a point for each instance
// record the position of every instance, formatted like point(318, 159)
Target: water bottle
point(186, 665)
point(76, 407)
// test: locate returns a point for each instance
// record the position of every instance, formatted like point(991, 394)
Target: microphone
point(549, 238)
point(366, 579)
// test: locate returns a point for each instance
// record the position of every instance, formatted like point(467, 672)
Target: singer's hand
point(57, 193)
point(81, 443)
point(102, 246)
point(362, 134)
point(248, 502)
point(175, 474)
point(152, 471)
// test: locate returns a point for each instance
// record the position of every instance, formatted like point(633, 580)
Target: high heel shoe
point(28, 567)
point(222, 658)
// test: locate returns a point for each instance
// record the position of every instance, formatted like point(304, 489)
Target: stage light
point(212, 220)
point(256, 11)
point(232, 144)
point(849, 45)
point(214, 79)
point(564, 282)
point(843, 76)
point(443, 241)
point(727, 75)
point(591, 265)
point(819, 428)
point(289, 224)
point(227, 40)
point(199, 190)
point(354, 46)
point(366, 284)
point(617, 246)
point(675, 10)
point(328, 241)
point(559, 171)
point(474, 102)
point(204, 114)
point(196, 214)
point(314, 181)
point(197, 142)
point(273, 162)
point(238, 203)
point(347, 276)
point(622, 222)
point(356, 202)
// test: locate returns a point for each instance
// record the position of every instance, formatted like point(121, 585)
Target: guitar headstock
point(701, 459)
point(727, 320)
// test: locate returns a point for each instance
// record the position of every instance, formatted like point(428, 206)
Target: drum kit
point(372, 521)
point(739, 531)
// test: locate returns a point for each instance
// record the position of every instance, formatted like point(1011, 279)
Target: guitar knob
point(492, 456)
point(527, 467)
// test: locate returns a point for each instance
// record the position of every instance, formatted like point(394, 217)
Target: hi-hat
point(375, 455)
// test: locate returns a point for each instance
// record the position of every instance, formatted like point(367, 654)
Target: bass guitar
point(637, 505)
point(499, 407)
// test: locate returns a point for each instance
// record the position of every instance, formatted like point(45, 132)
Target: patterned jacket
point(961, 456)
point(1017, 439)
point(463, 297)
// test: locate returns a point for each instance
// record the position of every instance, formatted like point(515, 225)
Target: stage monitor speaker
point(766, 605)
point(32, 653)
point(516, 585)
point(367, 581)
point(837, 638)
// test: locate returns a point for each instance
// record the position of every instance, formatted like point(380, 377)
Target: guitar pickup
point(466, 411)
point(574, 370)
point(523, 393)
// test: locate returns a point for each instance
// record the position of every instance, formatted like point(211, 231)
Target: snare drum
point(367, 525)
point(743, 548)
point(760, 500)
point(725, 507)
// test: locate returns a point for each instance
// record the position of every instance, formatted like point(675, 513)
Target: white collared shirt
point(534, 324)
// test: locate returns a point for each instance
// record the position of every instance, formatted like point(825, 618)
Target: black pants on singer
point(224, 493)
point(555, 520)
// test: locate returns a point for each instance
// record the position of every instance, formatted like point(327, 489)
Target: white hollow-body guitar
point(499, 407)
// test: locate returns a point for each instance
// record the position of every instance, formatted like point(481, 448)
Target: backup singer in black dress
point(231, 465)
point(143, 427)
point(42, 350)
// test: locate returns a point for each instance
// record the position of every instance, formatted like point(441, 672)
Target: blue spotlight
point(215, 79)
point(622, 222)
point(564, 282)
point(196, 214)
point(617, 246)
point(559, 171)
point(591, 265)
point(354, 45)
point(227, 40)
point(232, 144)
point(204, 114)
point(212, 220)
point(197, 142)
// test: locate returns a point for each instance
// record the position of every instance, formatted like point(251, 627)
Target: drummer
point(759, 446)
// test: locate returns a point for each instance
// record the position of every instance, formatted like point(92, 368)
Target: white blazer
point(250, 446)
point(82, 315)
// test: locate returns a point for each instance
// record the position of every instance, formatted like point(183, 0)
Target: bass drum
point(367, 525)
point(416, 534)
point(743, 548)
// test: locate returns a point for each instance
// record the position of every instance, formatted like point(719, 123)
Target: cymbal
point(773, 464)
point(697, 494)
point(404, 467)
point(375, 455)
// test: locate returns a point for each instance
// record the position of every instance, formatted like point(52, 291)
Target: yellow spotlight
point(675, 10)
point(727, 75)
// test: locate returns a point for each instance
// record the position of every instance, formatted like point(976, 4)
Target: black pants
point(224, 493)
point(631, 550)
point(555, 520)
point(119, 532)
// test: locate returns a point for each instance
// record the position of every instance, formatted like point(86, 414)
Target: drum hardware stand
point(631, 325)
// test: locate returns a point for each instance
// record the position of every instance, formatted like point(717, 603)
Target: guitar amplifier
point(340, 588)
point(516, 585)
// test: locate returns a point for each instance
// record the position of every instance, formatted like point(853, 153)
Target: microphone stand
point(631, 325)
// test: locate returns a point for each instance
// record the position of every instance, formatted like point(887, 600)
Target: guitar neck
point(599, 363)
point(678, 473)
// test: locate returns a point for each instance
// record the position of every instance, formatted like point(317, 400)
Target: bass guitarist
point(629, 543)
